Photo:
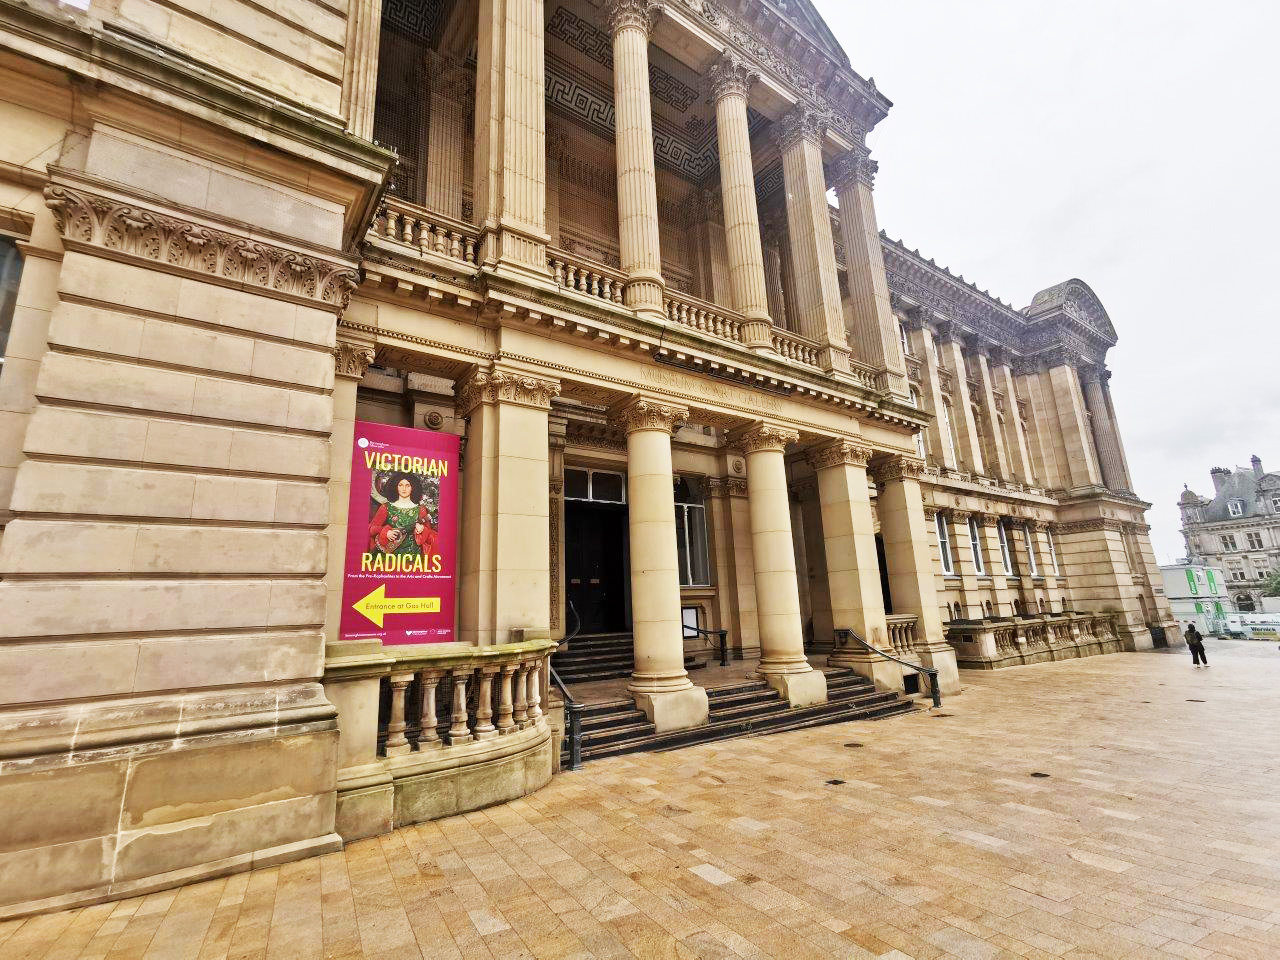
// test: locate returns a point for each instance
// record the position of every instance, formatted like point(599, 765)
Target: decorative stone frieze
point(800, 123)
point(898, 468)
point(726, 487)
point(96, 220)
point(645, 414)
point(641, 14)
point(766, 436)
point(837, 452)
point(731, 75)
point(1089, 526)
point(351, 360)
point(501, 386)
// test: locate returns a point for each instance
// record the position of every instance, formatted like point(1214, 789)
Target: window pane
point(682, 545)
point(575, 484)
point(606, 486)
point(699, 561)
point(689, 490)
point(10, 272)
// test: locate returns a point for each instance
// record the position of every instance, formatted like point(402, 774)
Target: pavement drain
point(1039, 774)
point(854, 744)
point(939, 716)
point(1195, 701)
point(834, 783)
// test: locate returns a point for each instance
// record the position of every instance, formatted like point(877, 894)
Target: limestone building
point(592, 239)
point(1237, 529)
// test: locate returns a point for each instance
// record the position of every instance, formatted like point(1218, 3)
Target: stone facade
point(578, 262)
point(1237, 529)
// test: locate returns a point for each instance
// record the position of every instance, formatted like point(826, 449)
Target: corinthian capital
point(351, 360)
point(766, 436)
point(731, 76)
point(800, 123)
point(640, 413)
point(850, 169)
point(503, 386)
point(899, 468)
point(839, 452)
point(641, 14)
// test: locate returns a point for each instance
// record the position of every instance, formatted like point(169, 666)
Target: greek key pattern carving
point(500, 386)
point(840, 452)
point(650, 415)
point(100, 221)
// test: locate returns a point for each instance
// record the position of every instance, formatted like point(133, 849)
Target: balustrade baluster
point(505, 723)
point(429, 733)
point(455, 245)
point(459, 732)
point(390, 229)
point(407, 224)
point(442, 238)
point(397, 742)
point(520, 714)
point(606, 289)
point(470, 247)
point(533, 673)
point(484, 705)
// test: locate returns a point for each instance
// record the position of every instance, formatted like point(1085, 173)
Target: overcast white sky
point(1134, 144)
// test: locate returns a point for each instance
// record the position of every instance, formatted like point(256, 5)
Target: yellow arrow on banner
point(377, 605)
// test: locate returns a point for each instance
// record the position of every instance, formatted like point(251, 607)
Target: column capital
point(505, 386)
point(801, 122)
point(731, 75)
point(641, 413)
point(766, 436)
point(351, 359)
point(960, 516)
point(1090, 373)
point(898, 468)
point(930, 511)
point(839, 452)
point(726, 487)
point(640, 14)
point(450, 76)
point(851, 168)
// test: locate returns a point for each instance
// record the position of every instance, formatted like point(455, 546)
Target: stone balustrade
point(902, 634)
point(429, 233)
point(797, 349)
point(586, 277)
point(1001, 642)
point(706, 318)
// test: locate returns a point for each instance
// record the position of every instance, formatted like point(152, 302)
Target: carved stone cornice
point(641, 14)
point(1089, 526)
point(128, 228)
point(351, 360)
point(503, 386)
point(893, 469)
point(839, 453)
point(641, 413)
point(731, 75)
point(799, 123)
point(766, 436)
point(852, 168)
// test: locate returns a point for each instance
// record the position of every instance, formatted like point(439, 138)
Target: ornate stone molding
point(731, 75)
point(898, 468)
point(930, 511)
point(1089, 526)
point(851, 168)
point(766, 436)
point(726, 487)
point(642, 14)
point(351, 360)
point(839, 452)
point(125, 227)
point(644, 414)
point(799, 123)
point(502, 386)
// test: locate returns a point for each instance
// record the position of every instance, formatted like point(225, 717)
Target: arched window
point(948, 430)
point(902, 339)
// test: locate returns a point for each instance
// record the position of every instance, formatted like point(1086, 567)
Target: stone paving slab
point(1154, 832)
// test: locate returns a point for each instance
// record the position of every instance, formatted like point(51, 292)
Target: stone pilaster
point(921, 337)
point(1015, 440)
point(1106, 437)
point(360, 66)
point(782, 658)
point(875, 337)
point(630, 22)
point(557, 427)
point(731, 79)
point(509, 184)
point(450, 86)
point(968, 440)
point(997, 453)
point(659, 683)
point(819, 312)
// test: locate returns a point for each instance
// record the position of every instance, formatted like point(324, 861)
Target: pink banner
point(402, 535)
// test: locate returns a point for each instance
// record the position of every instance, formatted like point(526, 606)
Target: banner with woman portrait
point(402, 534)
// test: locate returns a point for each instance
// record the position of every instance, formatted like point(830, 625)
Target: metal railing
point(572, 708)
point(722, 635)
point(844, 635)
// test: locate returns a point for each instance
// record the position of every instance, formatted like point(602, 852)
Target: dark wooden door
point(595, 564)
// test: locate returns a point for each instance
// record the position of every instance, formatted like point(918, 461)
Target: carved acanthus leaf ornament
point(502, 386)
point(651, 415)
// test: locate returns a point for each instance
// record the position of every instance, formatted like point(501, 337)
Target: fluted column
point(875, 337)
point(630, 22)
point(782, 658)
point(731, 79)
point(450, 85)
point(509, 183)
point(659, 683)
point(360, 66)
point(819, 311)
point(1106, 437)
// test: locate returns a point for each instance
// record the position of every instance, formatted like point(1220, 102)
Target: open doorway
point(596, 549)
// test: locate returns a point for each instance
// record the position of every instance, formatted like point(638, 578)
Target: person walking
point(1196, 642)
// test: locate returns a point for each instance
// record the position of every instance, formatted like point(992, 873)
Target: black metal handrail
point(572, 708)
point(723, 635)
point(931, 672)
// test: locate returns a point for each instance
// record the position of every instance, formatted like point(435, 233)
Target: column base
point(678, 710)
point(757, 335)
point(885, 674)
point(800, 689)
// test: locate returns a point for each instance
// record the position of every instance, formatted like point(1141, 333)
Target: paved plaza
point(1121, 806)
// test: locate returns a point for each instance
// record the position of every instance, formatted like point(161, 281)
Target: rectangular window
point(1235, 508)
point(10, 274)
point(691, 533)
point(601, 486)
point(1255, 540)
point(975, 542)
point(1228, 542)
point(944, 543)
point(1275, 504)
point(1031, 550)
point(1053, 552)
point(1005, 559)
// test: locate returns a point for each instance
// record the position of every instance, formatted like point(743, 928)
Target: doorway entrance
point(596, 549)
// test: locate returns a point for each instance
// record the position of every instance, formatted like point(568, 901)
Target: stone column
point(874, 330)
point(782, 658)
point(556, 436)
point(969, 452)
point(630, 22)
point(731, 78)
point(998, 456)
point(504, 573)
point(360, 66)
point(509, 184)
point(907, 536)
point(773, 284)
point(660, 685)
point(819, 312)
point(450, 84)
point(1106, 437)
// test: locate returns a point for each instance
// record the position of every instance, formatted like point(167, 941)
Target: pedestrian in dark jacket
point(1196, 642)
